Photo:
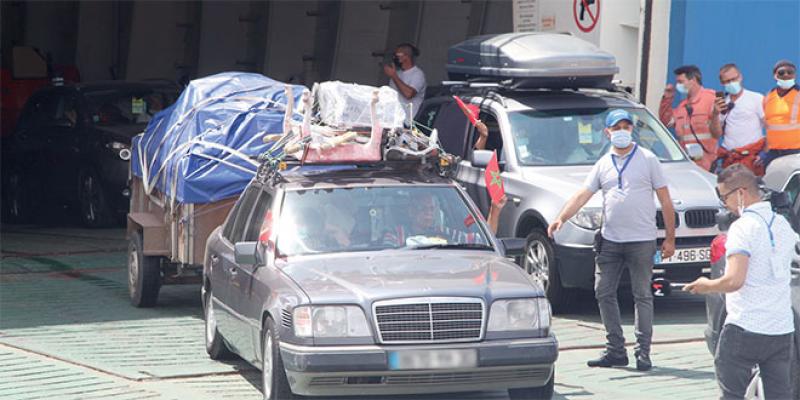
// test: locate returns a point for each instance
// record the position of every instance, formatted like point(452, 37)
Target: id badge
point(618, 194)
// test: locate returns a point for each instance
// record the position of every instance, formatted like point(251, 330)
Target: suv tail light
point(718, 247)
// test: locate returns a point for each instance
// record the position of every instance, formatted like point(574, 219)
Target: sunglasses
point(724, 197)
point(785, 72)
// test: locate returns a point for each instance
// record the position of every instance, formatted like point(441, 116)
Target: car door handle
point(233, 272)
point(214, 259)
point(516, 200)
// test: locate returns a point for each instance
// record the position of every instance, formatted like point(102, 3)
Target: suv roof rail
point(496, 89)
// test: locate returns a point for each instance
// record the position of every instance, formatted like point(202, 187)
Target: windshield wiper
point(467, 246)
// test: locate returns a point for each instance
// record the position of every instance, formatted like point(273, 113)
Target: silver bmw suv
point(547, 141)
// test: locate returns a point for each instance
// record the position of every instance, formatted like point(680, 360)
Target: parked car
point(371, 281)
point(782, 177)
point(71, 147)
point(547, 140)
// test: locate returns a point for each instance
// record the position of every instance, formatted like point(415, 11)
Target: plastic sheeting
point(202, 148)
point(346, 105)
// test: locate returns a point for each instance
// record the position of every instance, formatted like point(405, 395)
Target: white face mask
point(740, 208)
point(621, 138)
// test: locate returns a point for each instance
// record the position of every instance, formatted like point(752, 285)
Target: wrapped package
point(346, 105)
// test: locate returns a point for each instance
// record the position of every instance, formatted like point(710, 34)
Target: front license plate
point(433, 359)
point(682, 256)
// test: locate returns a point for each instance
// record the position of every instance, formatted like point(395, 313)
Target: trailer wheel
point(144, 273)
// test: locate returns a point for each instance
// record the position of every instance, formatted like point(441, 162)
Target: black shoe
point(607, 360)
point(643, 362)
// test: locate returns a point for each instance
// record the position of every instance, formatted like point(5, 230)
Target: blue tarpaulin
point(189, 150)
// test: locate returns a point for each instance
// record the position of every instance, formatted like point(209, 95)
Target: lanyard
point(624, 165)
point(769, 225)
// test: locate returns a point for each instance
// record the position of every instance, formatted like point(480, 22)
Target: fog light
point(125, 154)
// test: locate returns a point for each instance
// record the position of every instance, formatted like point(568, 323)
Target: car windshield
point(126, 106)
point(576, 137)
point(376, 218)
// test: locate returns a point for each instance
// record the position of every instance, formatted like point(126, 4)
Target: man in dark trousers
point(628, 177)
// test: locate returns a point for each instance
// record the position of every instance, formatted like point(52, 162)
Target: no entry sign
point(586, 13)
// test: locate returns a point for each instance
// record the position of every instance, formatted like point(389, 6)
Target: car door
point(246, 301)
point(227, 272)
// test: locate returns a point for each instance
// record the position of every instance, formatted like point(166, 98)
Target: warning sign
point(586, 13)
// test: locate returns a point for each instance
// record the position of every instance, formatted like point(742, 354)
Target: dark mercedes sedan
point(372, 281)
point(71, 148)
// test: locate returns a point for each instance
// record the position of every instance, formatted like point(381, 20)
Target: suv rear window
point(576, 137)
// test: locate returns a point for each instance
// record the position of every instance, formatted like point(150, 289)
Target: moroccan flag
point(494, 183)
point(470, 110)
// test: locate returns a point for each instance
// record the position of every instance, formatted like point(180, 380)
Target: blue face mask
point(621, 138)
point(785, 83)
point(681, 88)
point(733, 87)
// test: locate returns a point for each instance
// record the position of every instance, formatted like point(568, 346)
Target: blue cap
point(617, 115)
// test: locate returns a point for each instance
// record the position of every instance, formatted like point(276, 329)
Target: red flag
point(470, 110)
point(494, 183)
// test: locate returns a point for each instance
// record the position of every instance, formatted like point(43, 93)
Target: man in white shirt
point(409, 80)
point(741, 114)
point(759, 327)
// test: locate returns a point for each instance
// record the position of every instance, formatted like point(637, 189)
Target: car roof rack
point(499, 89)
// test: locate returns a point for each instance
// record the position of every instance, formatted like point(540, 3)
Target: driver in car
point(424, 230)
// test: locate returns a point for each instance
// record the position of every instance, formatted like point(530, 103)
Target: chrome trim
point(429, 301)
point(296, 348)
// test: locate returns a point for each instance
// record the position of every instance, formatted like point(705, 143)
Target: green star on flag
point(494, 182)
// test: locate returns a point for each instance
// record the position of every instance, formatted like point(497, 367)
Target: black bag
point(598, 242)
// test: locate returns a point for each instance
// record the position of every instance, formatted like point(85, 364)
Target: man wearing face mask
point(741, 113)
point(695, 120)
point(409, 81)
point(759, 326)
point(628, 176)
point(782, 113)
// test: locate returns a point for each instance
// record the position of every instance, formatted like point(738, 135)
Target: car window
point(495, 140)
point(793, 188)
point(576, 137)
point(243, 213)
point(375, 218)
point(227, 230)
point(257, 217)
point(42, 110)
point(427, 116)
point(125, 106)
point(452, 125)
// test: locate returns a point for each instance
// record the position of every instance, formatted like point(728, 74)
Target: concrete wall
point(96, 52)
point(223, 37)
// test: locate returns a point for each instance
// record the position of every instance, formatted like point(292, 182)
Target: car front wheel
point(215, 344)
point(539, 261)
point(275, 386)
point(94, 209)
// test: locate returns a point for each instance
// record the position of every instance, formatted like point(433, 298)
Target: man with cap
point(628, 176)
point(782, 113)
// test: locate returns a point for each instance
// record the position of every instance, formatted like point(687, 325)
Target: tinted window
point(243, 213)
point(376, 218)
point(452, 125)
point(576, 137)
point(43, 110)
point(124, 106)
point(228, 228)
point(427, 116)
point(257, 217)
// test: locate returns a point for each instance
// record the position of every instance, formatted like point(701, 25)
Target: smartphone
point(720, 95)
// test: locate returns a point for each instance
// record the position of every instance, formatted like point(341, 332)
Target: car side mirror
point(246, 253)
point(480, 158)
point(513, 247)
point(695, 151)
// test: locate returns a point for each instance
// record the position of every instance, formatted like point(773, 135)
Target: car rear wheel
point(275, 386)
point(94, 209)
point(535, 393)
point(17, 204)
point(539, 261)
point(144, 273)
point(215, 344)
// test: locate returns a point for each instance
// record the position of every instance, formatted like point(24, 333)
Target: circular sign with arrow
point(586, 13)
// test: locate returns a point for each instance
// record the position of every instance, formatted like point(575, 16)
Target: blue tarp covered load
point(202, 148)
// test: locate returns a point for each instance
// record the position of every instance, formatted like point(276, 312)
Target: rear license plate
point(684, 256)
point(433, 359)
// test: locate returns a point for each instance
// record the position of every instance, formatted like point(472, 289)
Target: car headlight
point(330, 321)
point(519, 315)
point(588, 218)
point(123, 150)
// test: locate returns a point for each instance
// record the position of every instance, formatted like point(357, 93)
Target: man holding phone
point(695, 120)
point(742, 117)
point(406, 78)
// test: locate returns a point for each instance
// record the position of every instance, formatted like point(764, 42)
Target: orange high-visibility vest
point(782, 115)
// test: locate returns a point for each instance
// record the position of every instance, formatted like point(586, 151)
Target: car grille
point(701, 218)
point(660, 220)
point(429, 320)
point(417, 378)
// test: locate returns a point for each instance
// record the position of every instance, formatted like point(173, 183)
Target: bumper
point(364, 370)
point(576, 266)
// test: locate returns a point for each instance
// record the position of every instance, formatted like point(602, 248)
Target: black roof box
point(532, 60)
